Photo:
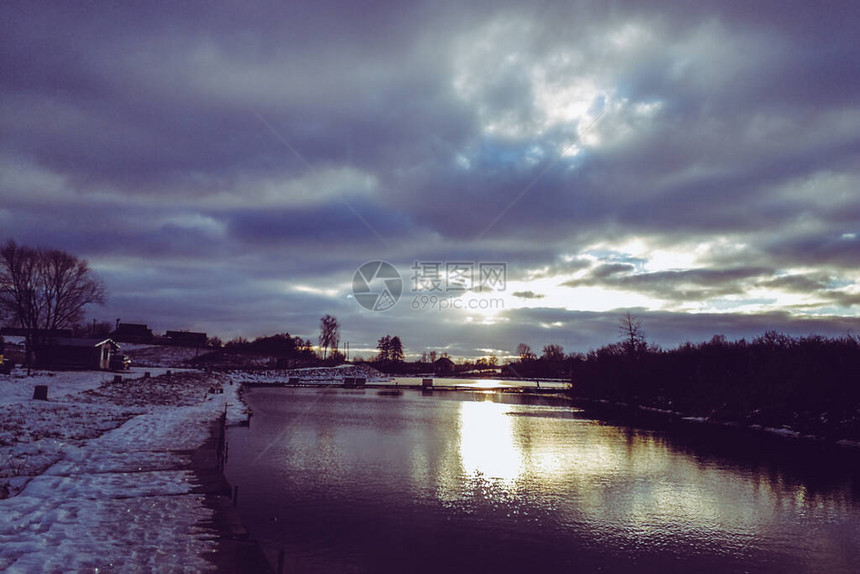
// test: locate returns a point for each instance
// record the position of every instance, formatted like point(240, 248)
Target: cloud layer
point(227, 168)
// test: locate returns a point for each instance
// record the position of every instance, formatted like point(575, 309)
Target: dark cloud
point(837, 250)
point(527, 295)
point(688, 284)
point(800, 283)
point(611, 269)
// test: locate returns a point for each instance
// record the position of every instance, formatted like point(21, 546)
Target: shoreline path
point(109, 477)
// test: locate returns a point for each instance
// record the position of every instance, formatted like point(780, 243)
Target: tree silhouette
point(43, 290)
point(390, 349)
point(553, 353)
point(631, 333)
point(808, 384)
point(329, 334)
point(525, 352)
point(395, 351)
point(384, 347)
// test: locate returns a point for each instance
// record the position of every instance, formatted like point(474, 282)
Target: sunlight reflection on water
point(412, 482)
point(486, 440)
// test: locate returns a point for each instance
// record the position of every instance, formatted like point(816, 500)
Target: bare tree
point(42, 290)
point(631, 333)
point(525, 352)
point(329, 334)
point(553, 352)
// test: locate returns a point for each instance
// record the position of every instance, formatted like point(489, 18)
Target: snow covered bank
point(98, 478)
point(161, 355)
point(308, 376)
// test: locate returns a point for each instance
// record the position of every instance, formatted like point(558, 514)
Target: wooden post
point(40, 393)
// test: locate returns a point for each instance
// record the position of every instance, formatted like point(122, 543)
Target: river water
point(336, 480)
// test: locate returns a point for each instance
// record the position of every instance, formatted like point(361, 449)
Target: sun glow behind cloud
point(611, 276)
point(561, 93)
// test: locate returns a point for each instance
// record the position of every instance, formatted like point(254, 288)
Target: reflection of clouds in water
point(588, 473)
point(489, 462)
point(549, 467)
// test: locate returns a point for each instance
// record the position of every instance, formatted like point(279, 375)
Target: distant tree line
point(553, 363)
point(289, 351)
point(390, 357)
point(810, 384)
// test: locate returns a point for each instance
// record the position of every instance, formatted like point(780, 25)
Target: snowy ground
point(160, 355)
point(97, 478)
point(313, 375)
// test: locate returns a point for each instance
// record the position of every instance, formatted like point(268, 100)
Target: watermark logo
point(377, 285)
point(458, 276)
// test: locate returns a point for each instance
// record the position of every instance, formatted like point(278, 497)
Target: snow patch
point(310, 375)
point(97, 478)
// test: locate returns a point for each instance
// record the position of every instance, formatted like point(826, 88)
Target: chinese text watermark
point(436, 285)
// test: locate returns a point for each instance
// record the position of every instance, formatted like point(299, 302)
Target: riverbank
point(651, 417)
point(236, 551)
point(118, 476)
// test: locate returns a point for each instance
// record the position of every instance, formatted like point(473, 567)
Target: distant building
point(443, 366)
point(132, 333)
point(186, 338)
point(62, 353)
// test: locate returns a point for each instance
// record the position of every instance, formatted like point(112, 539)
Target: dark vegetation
point(289, 352)
point(44, 290)
point(809, 384)
point(391, 360)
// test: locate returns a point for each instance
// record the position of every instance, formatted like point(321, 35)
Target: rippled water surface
point(333, 480)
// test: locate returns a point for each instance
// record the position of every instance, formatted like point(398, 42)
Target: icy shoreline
point(106, 476)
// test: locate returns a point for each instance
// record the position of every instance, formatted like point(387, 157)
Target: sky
point(228, 168)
